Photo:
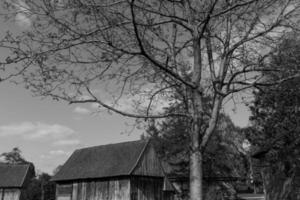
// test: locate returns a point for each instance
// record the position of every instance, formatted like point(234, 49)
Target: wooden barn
point(14, 179)
point(123, 171)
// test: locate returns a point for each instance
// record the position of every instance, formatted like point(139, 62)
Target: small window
point(64, 192)
point(64, 189)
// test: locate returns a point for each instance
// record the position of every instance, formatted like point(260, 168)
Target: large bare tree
point(150, 53)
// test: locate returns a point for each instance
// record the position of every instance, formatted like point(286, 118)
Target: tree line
point(187, 53)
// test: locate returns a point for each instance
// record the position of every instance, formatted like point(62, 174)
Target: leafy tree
point(225, 159)
point(33, 190)
point(276, 123)
point(13, 157)
point(152, 52)
point(36, 188)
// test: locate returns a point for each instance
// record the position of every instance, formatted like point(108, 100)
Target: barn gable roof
point(102, 161)
point(15, 175)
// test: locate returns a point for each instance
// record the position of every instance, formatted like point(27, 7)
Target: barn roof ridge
point(25, 174)
point(14, 175)
point(140, 156)
point(109, 144)
point(103, 161)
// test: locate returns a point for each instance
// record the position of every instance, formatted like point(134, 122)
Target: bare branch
point(126, 114)
point(144, 53)
point(237, 5)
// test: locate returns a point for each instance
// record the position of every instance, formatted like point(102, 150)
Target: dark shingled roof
point(102, 161)
point(14, 175)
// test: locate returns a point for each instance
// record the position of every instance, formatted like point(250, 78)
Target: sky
point(48, 131)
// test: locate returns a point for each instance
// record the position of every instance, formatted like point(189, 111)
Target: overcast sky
point(47, 132)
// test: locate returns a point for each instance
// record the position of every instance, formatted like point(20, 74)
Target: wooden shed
point(14, 179)
point(123, 171)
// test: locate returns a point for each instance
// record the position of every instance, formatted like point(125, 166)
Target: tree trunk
point(196, 175)
point(196, 155)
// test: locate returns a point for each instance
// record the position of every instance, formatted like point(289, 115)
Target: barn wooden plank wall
point(145, 188)
point(149, 165)
point(94, 190)
point(10, 194)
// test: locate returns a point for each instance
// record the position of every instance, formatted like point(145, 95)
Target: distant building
point(14, 179)
point(127, 171)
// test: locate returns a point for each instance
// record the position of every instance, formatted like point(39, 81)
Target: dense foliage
point(225, 161)
point(276, 122)
point(35, 189)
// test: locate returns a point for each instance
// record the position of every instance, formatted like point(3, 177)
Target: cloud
point(95, 105)
point(67, 142)
point(54, 153)
point(132, 104)
point(84, 97)
point(22, 17)
point(36, 130)
point(129, 103)
point(82, 111)
point(58, 153)
point(22, 20)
